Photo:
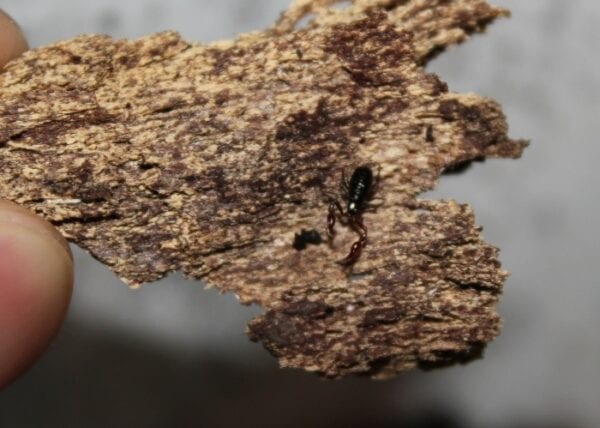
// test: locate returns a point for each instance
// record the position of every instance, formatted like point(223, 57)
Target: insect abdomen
point(360, 185)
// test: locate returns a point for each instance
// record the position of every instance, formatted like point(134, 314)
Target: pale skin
point(36, 266)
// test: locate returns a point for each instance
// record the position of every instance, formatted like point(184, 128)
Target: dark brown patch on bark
point(370, 59)
point(377, 316)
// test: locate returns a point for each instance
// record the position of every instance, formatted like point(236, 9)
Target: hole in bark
point(165, 109)
point(148, 165)
point(341, 5)
point(306, 237)
point(304, 22)
point(393, 4)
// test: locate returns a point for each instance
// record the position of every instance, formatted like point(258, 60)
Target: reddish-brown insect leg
point(356, 249)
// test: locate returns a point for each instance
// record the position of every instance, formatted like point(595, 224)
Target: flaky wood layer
point(158, 155)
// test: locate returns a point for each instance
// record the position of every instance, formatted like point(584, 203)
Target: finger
point(12, 40)
point(36, 277)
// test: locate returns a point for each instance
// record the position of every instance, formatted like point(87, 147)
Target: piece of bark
point(157, 155)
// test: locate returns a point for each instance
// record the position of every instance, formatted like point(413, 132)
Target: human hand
point(36, 266)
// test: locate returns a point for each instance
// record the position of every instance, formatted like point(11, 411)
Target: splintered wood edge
point(157, 155)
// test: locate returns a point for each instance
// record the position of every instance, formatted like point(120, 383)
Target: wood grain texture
point(158, 155)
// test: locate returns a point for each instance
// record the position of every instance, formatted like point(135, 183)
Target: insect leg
point(356, 249)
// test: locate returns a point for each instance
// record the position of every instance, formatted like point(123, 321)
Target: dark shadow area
point(91, 378)
point(96, 379)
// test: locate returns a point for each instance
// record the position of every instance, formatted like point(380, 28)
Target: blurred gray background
point(174, 354)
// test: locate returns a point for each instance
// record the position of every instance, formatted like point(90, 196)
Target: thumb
point(36, 277)
point(12, 41)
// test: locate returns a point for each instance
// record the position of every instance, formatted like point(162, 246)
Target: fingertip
point(12, 40)
point(36, 277)
point(13, 213)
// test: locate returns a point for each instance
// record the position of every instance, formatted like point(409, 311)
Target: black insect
point(356, 193)
point(306, 237)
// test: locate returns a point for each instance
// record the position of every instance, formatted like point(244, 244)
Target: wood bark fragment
point(159, 155)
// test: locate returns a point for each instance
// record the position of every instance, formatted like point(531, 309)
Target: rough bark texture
point(158, 155)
